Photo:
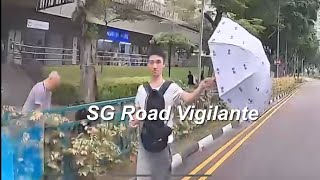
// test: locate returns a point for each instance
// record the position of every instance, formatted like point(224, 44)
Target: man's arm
point(208, 83)
point(190, 97)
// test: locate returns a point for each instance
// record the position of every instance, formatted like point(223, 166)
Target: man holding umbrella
point(154, 159)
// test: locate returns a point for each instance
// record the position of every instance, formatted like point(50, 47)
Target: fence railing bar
point(42, 47)
point(84, 106)
point(122, 53)
point(54, 60)
point(36, 53)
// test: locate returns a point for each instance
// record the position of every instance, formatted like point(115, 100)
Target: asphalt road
point(283, 146)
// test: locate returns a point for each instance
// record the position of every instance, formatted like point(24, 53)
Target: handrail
point(122, 53)
point(30, 52)
point(40, 47)
point(85, 106)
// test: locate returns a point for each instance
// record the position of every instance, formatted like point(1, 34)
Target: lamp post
point(278, 39)
point(201, 37)
point(172, 26)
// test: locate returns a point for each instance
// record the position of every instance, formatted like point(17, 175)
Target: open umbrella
point(241, 67)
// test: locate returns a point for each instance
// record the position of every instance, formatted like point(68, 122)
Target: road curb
point(203, 143)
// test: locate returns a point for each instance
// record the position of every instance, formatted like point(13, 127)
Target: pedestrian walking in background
point(202, 75)
point(155, 136)
point(39, 97)
point(190, 79)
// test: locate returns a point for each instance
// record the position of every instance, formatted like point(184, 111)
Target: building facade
point(53, 30)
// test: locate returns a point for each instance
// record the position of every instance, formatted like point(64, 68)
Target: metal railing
point(121, 59)
point(65, 56)
point(44, 54)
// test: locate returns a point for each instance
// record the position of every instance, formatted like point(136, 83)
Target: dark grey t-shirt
point(39, 96)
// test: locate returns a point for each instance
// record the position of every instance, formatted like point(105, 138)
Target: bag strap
point(147, 87)
point(164, 87)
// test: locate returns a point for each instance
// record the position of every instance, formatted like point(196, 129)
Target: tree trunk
point(207, 16)
point(169, 58)
point(88, 83)
point(210, 71)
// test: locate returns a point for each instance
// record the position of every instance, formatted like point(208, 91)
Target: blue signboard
point(117, 35)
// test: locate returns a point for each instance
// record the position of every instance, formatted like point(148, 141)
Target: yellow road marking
point(208, 160)
point(228, 154)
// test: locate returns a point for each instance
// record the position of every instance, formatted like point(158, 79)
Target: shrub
point(92, 152)
point(66, 94)
point(110, 91)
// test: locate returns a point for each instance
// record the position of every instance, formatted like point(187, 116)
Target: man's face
point(156, 65)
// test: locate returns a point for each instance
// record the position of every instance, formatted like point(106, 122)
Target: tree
point(222, 7)
point(171, 41)
point(235, 9)
point(107, 11)
point(260, 18)
point(299, 19)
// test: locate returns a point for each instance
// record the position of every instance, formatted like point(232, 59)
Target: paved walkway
point(15, 85)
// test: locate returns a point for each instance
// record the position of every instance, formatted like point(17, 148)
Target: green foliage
point(66, 94)
point(93, 152)
point(253, 26)
point(93, 31)
point(299, 18)
point(105, 10)
point(52, 138)
point(187, 11)
point(167, 39)
point(116, 74)
point(115, 91)
point(260, 17)
point(114, 82)
point(234, 6)
point(96, 151)
point(69, 94)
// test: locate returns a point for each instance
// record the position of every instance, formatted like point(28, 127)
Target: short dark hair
point(156, 50)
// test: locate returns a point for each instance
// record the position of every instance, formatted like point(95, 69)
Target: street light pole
point(278, 39)
point(200, 45)
point(286, 73)
point(302, 67)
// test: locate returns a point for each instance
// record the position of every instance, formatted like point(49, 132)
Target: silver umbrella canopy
point(241, 67)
